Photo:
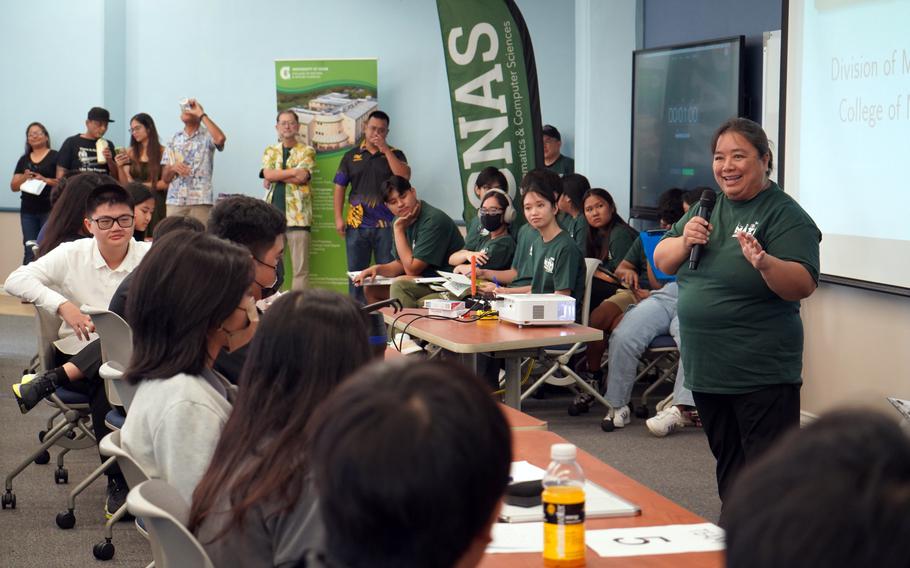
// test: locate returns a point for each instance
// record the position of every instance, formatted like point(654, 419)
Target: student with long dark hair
point(254, 506)
point(143, 208)
point(571, 205)
point(558, 263)
point(410, 461)
point(609, 237)
point(38, 163)
point(189, 300)
point(67, 219)
point(142, 163)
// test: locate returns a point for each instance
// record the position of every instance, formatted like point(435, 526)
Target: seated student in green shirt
point(425, 238)
point(558, 263)
point(571, 206)
point(522, 268)
point(489, 241)
point(608, 238)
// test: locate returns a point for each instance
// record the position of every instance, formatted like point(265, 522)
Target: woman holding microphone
point(742, 336)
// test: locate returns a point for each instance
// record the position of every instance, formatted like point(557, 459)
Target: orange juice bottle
point(563, 510)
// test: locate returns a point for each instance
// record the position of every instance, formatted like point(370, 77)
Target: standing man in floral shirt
point(188, 163)
point(287, 168)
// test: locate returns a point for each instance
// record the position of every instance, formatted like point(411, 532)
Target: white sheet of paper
point(525, 471)
point(70, 345)
point(377, 281)
point(33, 186)
point(523, 537)
point(599, 502)
point(667, 539)
point(385, 280)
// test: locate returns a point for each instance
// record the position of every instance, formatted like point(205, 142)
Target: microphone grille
point(708, 197)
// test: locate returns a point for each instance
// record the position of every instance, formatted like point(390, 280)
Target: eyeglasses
point(273, 267)
point(105, 223)
point(490, 210)
point(136, 129)
point(286, 123)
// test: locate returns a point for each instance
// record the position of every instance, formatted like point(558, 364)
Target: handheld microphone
point(705, 206)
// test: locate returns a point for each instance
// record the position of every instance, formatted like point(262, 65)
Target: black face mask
point(491, 222)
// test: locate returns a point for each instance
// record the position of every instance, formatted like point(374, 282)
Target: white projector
point(537, 309)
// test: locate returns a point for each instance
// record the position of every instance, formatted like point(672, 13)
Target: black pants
point(88, 360)
point(740, 427)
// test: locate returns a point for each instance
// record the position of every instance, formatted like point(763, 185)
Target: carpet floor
point(679, 467)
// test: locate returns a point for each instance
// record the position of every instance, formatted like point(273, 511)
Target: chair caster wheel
point(66, 520)
point(642, 412)
point(607, 425)
point(41, 435)
point(103, 550)
point(8, 500)
point(43, 458)
point(61, 476)
point(574, 410)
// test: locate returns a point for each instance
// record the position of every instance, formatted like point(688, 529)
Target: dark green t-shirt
point(577, 229)
point(499, 251)
point(636, 256)
point(558, 265)
point(279, 195)
point(563, 165)
point(523, 261)
point(737, 335)
point(433, 237)
point(621, 239)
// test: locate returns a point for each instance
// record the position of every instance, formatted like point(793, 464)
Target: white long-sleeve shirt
point(173, 426)
point(74, 272)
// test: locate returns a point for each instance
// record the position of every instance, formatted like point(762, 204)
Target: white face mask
point(240, 337)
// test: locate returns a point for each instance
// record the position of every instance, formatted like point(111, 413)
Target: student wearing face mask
point(189, 301)
point(488, 241)
point(260, 228)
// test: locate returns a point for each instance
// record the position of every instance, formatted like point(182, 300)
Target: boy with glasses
point(84, 271)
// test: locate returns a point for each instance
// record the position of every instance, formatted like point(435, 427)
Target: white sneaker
point(668, 421)
point(622, 417)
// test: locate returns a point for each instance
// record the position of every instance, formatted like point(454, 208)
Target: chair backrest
point(116, 350)
point(47, 329)
point(165, 514)
point(132, 471)
point(591, 265)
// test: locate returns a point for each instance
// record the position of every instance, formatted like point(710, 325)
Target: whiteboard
point(770, 107)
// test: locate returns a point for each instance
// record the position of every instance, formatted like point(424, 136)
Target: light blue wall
point(606, 34)
point(51, 61)
point(222, 52)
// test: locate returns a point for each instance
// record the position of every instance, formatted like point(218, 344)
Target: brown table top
point(534, 446)
point(487, 335)
point(518, 420)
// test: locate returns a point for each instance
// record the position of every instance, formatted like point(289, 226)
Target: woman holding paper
point(34, 176)
point(142, 163)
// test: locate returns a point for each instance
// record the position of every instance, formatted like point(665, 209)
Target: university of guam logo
point(748, 228)
point(285, 72)
point(548, 264)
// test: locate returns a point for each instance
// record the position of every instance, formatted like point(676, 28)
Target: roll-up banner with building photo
point(332, 99)
point(493, 88)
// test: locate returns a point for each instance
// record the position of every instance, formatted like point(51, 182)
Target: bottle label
point(564, 514)
point(564, 531)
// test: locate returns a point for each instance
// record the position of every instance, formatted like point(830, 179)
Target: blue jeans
point(643, 322)
point(363, 245)
point(31, 225)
